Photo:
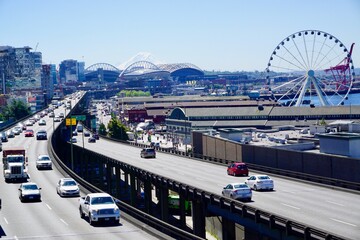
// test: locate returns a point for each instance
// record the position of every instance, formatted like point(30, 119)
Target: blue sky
point(233, 35)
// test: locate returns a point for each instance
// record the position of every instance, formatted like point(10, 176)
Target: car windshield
point(69, 183)
point(44, 158)
point(241, 186)
point(30, 187)
point(102, 200)
point(263, 177)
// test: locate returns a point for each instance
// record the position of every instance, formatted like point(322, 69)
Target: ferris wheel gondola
point(310, 67)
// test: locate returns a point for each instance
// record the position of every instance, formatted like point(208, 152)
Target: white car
point(44, 162)
point(10, 134)
point(67, 187)
point(29, 123)
point(258, 182)
point(29, 191)
point(17, 130)
point(42, 122)
point(238, 191)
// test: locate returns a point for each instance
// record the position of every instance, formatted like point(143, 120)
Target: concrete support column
point(117, 181)
point(148, 196)
point(126, 178)
point(164, 203)
point(102, 170)
point(198, 216)
point(182, 210)
point(228, 229)
point(132, 190)
point(109, 177)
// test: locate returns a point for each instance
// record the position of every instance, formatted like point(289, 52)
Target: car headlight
point(93, 212)
point(116, 210)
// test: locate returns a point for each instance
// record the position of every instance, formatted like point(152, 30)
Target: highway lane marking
point(335, 203)
point(48, 206)
point(64, 222)
point(287, 205)
point(6, 220)
point(15, 237)
point(337, 220)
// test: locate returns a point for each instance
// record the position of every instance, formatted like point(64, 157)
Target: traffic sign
point(70, 123)
point(79, 117)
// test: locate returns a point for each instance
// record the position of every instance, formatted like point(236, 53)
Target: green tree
point(102, 129)
point(117, 130)
point(134, 93)
point(16, 109)
point(322, 122)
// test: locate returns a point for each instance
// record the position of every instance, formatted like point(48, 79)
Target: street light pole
point(71, 141)
point(185, 133)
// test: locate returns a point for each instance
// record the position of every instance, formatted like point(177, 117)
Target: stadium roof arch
point(143, 69)
point(102, 71)
point(182, 69)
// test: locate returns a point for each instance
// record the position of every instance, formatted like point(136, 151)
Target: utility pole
point(71, 141)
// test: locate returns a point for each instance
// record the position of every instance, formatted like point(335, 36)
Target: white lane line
point(15, 237)
point(287, 205)
point(335, 203)
point(337, 220)
point(48, 206)
point(6, 220)
point(64, 222)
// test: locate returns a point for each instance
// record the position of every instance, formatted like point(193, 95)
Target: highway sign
point(70, 123)
point(79, 117)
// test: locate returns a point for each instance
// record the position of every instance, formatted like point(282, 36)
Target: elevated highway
point(334, 211)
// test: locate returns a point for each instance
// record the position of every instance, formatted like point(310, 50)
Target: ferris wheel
point(310, 67)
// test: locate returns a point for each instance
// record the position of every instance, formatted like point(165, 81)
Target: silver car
point(258, 182)
point(29, 191)
point(67, 187)
point(44, 162)
point(238, 191)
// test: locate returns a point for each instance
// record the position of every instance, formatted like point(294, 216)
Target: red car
point(29, 133)
point(238, 168)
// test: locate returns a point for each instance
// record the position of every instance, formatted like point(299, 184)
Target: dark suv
point(41, 135)
point(148, 153)
point(3, 137)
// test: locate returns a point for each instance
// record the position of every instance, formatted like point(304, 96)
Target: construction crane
point(37, 44)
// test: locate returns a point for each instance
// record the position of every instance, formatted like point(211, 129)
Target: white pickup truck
point(99, 207)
